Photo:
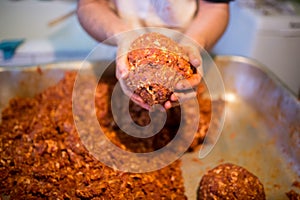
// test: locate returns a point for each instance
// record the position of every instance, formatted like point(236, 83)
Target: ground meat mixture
point(229, 181)
point(41, 154)
point(292, 195)
point(156, 64)
point(153, 93)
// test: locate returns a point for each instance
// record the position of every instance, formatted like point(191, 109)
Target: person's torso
point(176, 14)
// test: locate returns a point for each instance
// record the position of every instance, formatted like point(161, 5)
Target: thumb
point(122, 67)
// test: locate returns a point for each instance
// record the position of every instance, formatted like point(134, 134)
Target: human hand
point(183, 90)
point(195, 59)
point(124, 42)
point(179, 97)
point(186, 88)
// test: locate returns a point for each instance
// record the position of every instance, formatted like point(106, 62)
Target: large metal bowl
point(261, 130)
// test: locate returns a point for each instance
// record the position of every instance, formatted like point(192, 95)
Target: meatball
point(229, 181)
point(156, 64)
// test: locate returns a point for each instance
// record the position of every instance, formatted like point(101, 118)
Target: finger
point(122, 67)
point(189, 83)
point(195, 59)
point(134, 97)
point(139, 101)
point(125, 88)
point(194, 56)
point(173, 97)
point(183, 96)
point(143, 105)
point(168, 105)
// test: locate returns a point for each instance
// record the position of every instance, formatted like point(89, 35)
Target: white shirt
point(175, 14)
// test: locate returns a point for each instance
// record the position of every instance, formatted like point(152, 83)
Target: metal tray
point(261, 130)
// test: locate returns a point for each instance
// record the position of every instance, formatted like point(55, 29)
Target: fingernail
point(124, 75)
point(168, 105)
point(196, 62)
point(174, 98)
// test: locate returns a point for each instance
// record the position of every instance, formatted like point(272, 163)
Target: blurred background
point(34, 32)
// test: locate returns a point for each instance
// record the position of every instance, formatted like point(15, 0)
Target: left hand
point(196, 61)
